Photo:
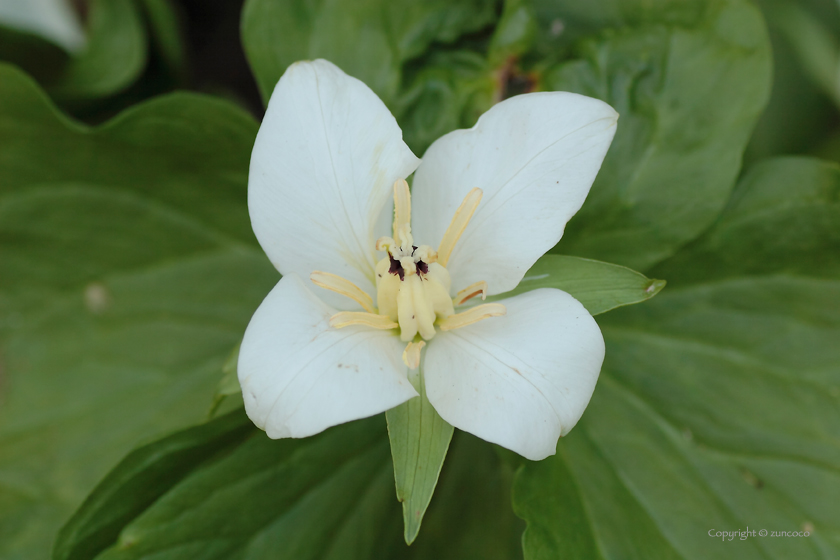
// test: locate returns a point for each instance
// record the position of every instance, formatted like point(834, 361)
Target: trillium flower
point(368, 288)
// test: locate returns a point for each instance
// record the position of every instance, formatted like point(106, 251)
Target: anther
point(471, 291)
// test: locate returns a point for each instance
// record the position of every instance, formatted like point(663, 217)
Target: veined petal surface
point(535, 156)
point(324, 163)
point(300, 377)
point(521, 380)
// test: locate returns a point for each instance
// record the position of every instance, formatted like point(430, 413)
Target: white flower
point(54, 20)
point(327, 159)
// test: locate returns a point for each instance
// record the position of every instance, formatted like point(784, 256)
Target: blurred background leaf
point(128, 272)
point(689, 80)
point(328, 496)
point(801, 116)
point(113, 57)
point(124, 40)
point(368, 39)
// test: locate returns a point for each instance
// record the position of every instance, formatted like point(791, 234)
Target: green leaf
point(470, 517)
point(229, 383)
point(562, 24)
point(689, 82)
point(799, 116)
point(816, 47)
point(451, 90)
point(113, 58)
point(782, 218)
point(549, 498)
point(128, 270)
point(717, 407)
point(42, 59)
point(165, 34)
point(599, 286)
point(328, 496)
point(368, 39)
point(145, 475)
point(515, 32)
point(419, 441)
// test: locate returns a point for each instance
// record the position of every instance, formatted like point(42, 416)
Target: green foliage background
point(128, 272)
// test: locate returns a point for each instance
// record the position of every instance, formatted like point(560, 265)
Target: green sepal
point(599, 286)
point(419, 441)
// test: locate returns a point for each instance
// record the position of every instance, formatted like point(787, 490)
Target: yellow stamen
point(347, 318)
point(474, 289)
point(402, 207)
point(470, 316)
point(411, 354)
point(458, 225)
point(344, 287)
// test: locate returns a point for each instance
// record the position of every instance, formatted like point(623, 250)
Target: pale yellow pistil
point(412, 283)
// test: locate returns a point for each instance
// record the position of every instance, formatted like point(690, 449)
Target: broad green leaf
point(717, 407)
point(548, 496)
point(145, 475)
point(368, 39)
point(816, 47)
point(328, 496)
point(782, 218)
point(128, 272)
point(471, 516)
point(599, 286)
point(419, 441)
point(689, 81)
point(799, 116)
point(40, 57)
point(114, 56)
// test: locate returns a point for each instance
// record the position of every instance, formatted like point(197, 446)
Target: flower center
point(412, 288)
point(412, 283)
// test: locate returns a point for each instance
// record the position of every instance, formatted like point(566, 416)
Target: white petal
point(54, 20)
point(521, 380)
point(299, 376)
point(535, 156)
point(323, 166)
